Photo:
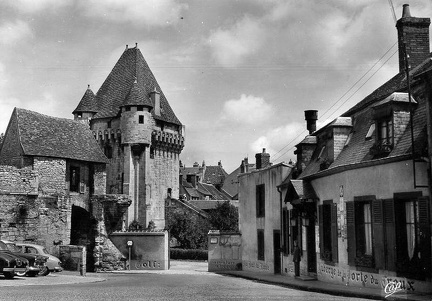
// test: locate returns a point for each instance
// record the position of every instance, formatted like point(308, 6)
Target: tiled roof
point(214, 175)
point(87, 103)
point(117, 85)
point(358, 148)
point(46, 136)
point(230, 184)
point(136, 96)
point(301, 190)
point(213, 191)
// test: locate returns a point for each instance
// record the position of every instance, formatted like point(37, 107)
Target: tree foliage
point(188, 229)
point(224, 217)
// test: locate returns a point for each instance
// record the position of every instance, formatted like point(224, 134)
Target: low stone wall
point(224, 251)
point(73, 257)
point(148, 250)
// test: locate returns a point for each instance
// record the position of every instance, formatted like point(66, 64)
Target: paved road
point(194, 283)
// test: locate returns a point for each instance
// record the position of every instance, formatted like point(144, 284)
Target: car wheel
point(8, 275)
point(21, 274)
point(44, 271)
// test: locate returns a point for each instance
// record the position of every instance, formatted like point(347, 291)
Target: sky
point(238, 74)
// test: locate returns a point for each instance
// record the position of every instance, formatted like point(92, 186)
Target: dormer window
point(385, 132)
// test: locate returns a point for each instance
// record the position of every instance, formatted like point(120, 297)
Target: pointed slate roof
point(119, 82)
point(87, 103)
point(136, 97)
point(46, 136)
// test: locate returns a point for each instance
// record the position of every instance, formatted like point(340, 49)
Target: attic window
point(128, 108)
point(140, 108)
point(370, 131)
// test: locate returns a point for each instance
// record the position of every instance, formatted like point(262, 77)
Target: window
point(140, 108)
point(261, 247)
point(385, 132)
point(370, 131)
point(128, 109)
point(412, 237)
point(260, 200)
point(328, 231)
point(363, 224)
point(141, 119)
point(74, 178)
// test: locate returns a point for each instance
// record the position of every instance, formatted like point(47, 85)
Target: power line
point(340, 98)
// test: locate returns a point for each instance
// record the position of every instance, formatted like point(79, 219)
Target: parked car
point(37, 263)
point(10, 263)
point(53, 263)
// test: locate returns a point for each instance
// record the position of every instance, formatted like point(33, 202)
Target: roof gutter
point(338, 169)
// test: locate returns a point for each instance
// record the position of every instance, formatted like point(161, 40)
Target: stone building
point(49, 170)
point(139, 133)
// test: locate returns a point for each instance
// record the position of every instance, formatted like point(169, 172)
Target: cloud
point(152, 13)
point(279, 141)
point(33, 6)
point(231, 46)
point(13, 32)
point(248, 110)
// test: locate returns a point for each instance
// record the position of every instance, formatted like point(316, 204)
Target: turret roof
point(137, 97)
point(119, 82)
point(87, 103)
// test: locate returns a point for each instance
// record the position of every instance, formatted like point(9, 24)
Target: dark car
point(11, 264)
point(32, 263)
point(37, 263)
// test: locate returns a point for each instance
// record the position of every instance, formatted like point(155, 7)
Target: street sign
point(129, 243)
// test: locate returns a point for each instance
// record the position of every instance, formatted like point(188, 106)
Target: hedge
point(188, 254)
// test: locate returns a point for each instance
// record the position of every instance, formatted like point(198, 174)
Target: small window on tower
point(140, 108)
point(141, 119)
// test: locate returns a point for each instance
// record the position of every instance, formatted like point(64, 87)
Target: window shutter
point(285, 231)
point(390, 234)
point(378, 234)
point(334, 232)
point(351, 232)
point(424, 241)
point(321, 230)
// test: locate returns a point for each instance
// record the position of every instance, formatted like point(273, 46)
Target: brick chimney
point(262, 159)
point(414, 33)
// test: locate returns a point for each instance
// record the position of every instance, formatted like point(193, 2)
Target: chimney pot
point(406, 11)
point(311, 116)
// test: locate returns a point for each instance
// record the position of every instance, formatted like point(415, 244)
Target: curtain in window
point(410, 227)
point(367, 228)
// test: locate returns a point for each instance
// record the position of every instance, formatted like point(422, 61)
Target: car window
point(32, 250)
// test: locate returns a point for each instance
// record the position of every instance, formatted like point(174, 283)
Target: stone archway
point(82, 232)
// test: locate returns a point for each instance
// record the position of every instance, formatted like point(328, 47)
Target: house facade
point(359, 201)
point(138, 131)
point(259, 215)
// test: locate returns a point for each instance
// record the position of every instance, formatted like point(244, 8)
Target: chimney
point(413, 34)
point(262, 159)
point(155, 98)
point(311, 116)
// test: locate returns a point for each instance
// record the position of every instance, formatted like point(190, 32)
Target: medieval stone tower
point(139, 133)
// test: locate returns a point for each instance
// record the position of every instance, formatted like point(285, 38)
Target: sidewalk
point(325, 287)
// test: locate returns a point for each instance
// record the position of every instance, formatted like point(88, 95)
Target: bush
point(189, 254)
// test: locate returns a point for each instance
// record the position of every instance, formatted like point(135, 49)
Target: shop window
point(328, 231)
point(74, 178)
point(260, 200)
point(261, 246)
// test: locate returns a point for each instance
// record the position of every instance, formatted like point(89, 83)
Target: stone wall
point(51, 174)
point(40, 220)
point(14, 180)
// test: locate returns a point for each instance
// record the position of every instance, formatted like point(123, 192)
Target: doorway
point(277, 251)
point(82, 233)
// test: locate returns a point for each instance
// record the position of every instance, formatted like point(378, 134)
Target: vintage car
point(11, 264)
point(36, 263)
point(53, 263)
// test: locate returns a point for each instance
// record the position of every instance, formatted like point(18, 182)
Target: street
point(175, 284)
